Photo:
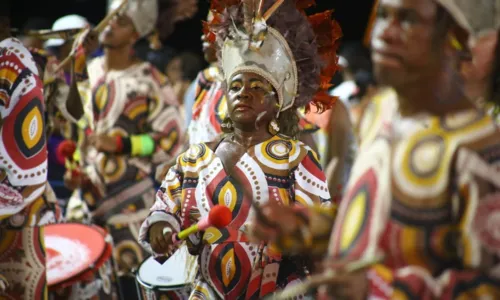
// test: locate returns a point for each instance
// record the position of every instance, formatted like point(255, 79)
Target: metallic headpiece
point(280, 44)
point(477, 16)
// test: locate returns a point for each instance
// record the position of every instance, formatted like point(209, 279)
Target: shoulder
point(13, 52)
point(196, 157)
point(157, 76)
point(425, 158)
point(281, 151)
point(208, 76)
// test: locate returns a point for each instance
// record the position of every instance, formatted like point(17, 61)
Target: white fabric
point(144, 14)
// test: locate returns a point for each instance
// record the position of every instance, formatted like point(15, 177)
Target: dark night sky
point(352, 15)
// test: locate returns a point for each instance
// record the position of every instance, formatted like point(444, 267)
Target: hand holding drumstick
point(338, 281)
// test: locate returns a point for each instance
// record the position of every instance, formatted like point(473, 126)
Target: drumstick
point(317, 280)
point(46, 34)
point(219, 216)
point(99, 28)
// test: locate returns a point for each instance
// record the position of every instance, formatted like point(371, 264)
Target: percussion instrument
point(78, 261)
point(171, 280)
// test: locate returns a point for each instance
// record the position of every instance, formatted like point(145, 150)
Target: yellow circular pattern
point(354, 216)
point(32, 128)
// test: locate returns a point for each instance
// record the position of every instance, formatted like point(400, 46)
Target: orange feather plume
point(328, 34)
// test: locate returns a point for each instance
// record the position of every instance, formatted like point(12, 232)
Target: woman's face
point(251, 100)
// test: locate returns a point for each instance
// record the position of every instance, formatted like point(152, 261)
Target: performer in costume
point(424, 189)
point(269, 70)
point(135, 125)
point(209, 106)
point(23, 171)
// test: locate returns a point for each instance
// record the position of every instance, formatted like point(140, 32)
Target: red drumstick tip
point(220, 216)
point(66, 149)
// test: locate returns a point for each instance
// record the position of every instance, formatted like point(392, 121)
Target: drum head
point(72, 249)
point(174, 274)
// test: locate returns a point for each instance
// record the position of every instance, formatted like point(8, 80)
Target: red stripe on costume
point(254, 285)
point(366, 189)
point(313, 168)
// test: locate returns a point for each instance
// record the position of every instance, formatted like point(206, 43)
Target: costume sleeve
point(164, 132)
point(23, 145)
point(166, 207)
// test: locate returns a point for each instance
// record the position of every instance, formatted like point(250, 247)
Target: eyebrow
point(256, 80)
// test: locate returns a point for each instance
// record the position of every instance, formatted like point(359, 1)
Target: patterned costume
point(280, 170)
point(137, 104)
point(23, 174)
point(424, 191)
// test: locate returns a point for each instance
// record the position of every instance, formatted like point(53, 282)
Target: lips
point(242, 107)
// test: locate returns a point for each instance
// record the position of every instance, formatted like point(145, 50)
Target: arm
point(166, 207)
point(305, 225)
point(338, 150)
point(163, 136)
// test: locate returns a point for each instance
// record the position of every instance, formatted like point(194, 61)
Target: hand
point(161, 243)
point(273, 223)
point(89, 40)
point(73, 179)
point(103, 143)
point(347, 286)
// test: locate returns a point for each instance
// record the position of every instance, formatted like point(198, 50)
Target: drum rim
point(61, 282)
point(154, 287)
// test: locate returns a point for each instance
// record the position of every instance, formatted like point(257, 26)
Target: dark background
point(352, 15)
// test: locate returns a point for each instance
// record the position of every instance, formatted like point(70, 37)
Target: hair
point(357, 56)
point(288, 122)
point(191, 64)
point(300, 37)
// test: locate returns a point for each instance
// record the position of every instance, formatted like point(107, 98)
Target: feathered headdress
point(275, 39)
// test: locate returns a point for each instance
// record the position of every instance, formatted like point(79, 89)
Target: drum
point(79, 262)
point(171, 280)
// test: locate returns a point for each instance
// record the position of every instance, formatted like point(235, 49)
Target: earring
point(227, 125)
point(274, 128)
